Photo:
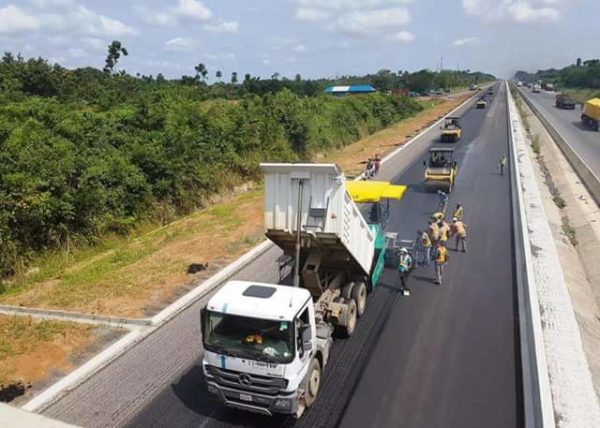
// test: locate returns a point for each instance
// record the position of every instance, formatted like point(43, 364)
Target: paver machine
point(451, 131)
point(440, 169)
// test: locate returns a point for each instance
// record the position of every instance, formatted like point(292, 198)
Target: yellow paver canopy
point(373, 191)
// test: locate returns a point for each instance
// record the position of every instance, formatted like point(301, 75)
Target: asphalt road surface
point(583, 140)
point(446, 356)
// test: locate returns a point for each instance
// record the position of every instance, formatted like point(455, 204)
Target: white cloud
point(350, 4)
point(299, 48)
point(185, 9)
point(364, 23)
point(193, 9)
point(77, 20)
point(220, 26)
point(402, 37)
point(15, 20)
point(466, 41)
point(180, 44)
point(520, 11)
point(45, 4)
point(220, 57)
point(311, 15)
point(77, 53)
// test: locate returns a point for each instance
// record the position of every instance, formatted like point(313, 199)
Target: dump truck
point(563, 101)
point(266, 345)
point(590, 115)
point(440, 169)
point(451, 131)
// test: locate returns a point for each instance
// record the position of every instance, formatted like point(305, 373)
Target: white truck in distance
point(265, 345)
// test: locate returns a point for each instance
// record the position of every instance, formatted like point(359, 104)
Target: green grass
point(535, 144)
point(581, 95)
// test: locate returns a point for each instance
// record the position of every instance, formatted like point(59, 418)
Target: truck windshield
point(251, 338)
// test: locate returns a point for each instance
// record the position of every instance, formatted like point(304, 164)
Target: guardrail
point(537, 398)
point(588, 177)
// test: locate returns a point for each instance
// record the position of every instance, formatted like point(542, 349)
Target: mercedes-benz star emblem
point(245, 379)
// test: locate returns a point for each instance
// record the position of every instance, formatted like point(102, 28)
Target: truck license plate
point(245, 397)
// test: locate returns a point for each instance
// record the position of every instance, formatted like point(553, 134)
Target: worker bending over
point(459, 230)
point(433, 231)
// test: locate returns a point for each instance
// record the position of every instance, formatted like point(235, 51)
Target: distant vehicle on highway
point(563, 101)
point(413, 94)
point(549, 86)
point(474, 88)
point(482, 103)
point(590, 115)
point(439, 91)
point(536, 88)
point(519, 83)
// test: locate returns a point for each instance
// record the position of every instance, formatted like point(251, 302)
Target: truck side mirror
point(424, 163)
point(203, 317)
point(306, 335)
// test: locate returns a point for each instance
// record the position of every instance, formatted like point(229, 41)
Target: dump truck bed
point(592, 108)
point(330, 222)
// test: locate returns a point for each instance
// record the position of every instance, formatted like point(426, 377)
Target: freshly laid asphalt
point(447, 356)
point(582, 140)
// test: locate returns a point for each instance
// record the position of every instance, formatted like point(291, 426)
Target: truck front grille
point(248, 382)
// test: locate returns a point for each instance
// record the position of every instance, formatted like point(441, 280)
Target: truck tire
point(347, 291)
point(359, 294)
point(345, 331)
point(313, 383)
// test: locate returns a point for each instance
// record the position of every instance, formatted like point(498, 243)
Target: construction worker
point(404, 268)
point(441, 259)
point(425, 246)
point(443, 201)
point(433, 231)
point(502, 164)
point(377, 163)
point(458, 211)
point(459, 230)
point(444, 228)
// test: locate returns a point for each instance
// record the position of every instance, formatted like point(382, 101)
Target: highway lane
point(443, 357)
point(158, 382)
point(447, 357)
point(568, 123)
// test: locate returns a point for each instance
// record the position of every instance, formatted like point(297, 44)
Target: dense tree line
point(582, 74)
point(84, 152)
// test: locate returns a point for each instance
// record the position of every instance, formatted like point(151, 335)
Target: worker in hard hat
point(458, 211)
point(437, 216)
point(433, 231)
point(502, 163)
point(459, 230)
point(440, 256)
point(425, 248)
point(444, 229)
point(404, 267)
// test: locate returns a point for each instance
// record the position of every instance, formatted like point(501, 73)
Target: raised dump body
point(330, 222)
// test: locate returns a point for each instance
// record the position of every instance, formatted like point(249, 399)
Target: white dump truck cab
point(263, 350)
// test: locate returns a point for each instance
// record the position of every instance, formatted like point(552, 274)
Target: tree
point(234, 77)
point(201, 71)
point(275, 76)
point(160, 78)
point(247, 77)
point(219, 74)
point(298, 78)
point(115, 50)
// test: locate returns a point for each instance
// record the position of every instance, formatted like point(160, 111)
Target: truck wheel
point(313, 383)
point(347, 291)
point(359, 294)
point(351, 315)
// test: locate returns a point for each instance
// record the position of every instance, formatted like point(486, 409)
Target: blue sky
point(316, 38)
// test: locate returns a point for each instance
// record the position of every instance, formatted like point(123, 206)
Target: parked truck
point(590, 116)
point(266, 345)
point(563, 101)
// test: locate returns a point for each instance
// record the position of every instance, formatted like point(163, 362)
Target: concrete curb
point(59, 315)
point(71, 381)
point(573, 402)
point(537, 398)
point(589, 178)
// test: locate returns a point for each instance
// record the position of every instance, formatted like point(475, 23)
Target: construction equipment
point(482, 103)
point(267, 344)
point(563, 101)
point(452, 131)
point(590, 115)
point(441, 169)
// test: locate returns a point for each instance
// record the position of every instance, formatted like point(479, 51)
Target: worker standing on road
point(433, 231)
point(425, 245)
point(502, 164)
point(443, 201)
point(444, 228)
point(458, 211)
point(459, 230)
point(404, 268)
point(441, 259)
point(377, 163)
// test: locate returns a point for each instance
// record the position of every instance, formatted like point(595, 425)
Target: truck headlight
point(283, 404)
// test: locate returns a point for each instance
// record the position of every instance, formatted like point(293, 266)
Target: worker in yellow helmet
point(459, 230)
point(441, 260)
point(458, 212)
point(444, 229)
